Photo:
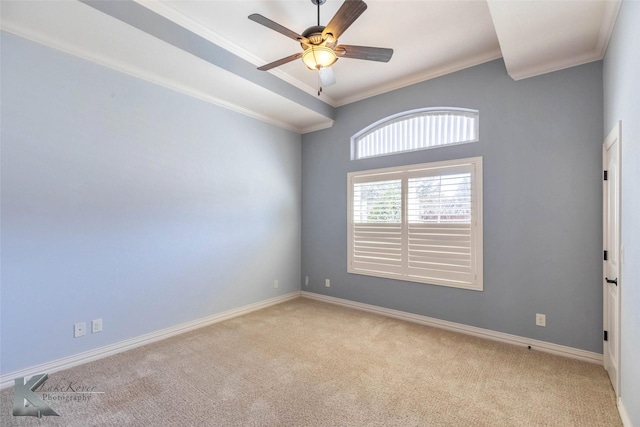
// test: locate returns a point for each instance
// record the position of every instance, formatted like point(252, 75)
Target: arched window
point(416, 130)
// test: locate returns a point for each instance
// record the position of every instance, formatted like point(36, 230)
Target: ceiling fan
point(320, 44)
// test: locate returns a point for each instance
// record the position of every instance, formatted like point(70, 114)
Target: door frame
point(614, 136)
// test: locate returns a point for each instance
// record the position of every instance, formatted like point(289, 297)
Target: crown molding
point(421, 77)
point(550, 67)
point(145, 75)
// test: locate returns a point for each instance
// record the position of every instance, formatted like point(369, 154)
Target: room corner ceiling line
point(168, 31)
point(606, 27)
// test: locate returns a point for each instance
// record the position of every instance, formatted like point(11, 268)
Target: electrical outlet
point(306, 280)
point(327, 283)
point(96, 326)
point(79, 329)
point(276, 284)
point(541, 320)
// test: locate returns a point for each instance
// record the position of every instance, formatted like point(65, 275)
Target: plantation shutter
point(439, 227)
point(377, 241)
point(420, 223)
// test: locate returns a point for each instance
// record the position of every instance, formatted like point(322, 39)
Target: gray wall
point(622, 102)
point(541, 143)
point(125, 201)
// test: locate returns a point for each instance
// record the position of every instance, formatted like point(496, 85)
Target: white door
point(611, 270)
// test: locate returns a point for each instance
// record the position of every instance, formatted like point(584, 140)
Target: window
point(416, 130)
point(421, 223)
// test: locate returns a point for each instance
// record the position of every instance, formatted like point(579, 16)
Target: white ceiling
point(429, 37)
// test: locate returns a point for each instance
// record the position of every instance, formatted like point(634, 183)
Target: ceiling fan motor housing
point(314, 36)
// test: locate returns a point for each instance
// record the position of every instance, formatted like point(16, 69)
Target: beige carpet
point(308, 363)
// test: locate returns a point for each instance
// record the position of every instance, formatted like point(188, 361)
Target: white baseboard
point(547, 347)
point(7, 380)
point(624, 416)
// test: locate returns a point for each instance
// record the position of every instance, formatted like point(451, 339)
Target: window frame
point(406, 172)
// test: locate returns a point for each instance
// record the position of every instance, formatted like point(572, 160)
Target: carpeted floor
point(308, 363)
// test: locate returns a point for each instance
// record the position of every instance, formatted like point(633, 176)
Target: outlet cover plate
point(79, 329)
point(96, 326)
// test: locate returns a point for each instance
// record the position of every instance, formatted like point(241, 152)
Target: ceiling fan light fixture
point(317, 57)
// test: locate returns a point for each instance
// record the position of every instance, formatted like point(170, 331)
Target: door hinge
point(605, 175)
point(605, 256)
point(606, 335)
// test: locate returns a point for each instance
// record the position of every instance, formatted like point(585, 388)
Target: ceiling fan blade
point(327, 77)
point(256, 17)
point(344, 17)
point(379, 54)
point(280, 62)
